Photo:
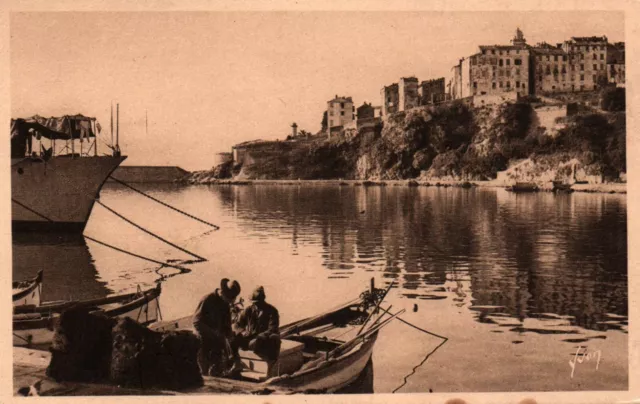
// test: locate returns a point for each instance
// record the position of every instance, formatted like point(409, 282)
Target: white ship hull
point(57, 195)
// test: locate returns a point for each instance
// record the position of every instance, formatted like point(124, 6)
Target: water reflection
point(524, 256)
point(69, 270)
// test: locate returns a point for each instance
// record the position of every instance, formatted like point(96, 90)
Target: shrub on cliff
point(613, 99)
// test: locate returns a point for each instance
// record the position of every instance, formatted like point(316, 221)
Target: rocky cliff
point(455, 141)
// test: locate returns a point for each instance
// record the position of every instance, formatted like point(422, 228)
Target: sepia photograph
point(318, 202)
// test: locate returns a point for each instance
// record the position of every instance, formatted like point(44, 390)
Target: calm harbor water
point(517, 283)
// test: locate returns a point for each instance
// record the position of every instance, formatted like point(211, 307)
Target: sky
point(209, 80)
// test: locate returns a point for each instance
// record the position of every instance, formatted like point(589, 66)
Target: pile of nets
point(143, 358)
point(89, 347)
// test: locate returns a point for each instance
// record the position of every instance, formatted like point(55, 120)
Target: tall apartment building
point(340, 112)
point(495, 69)
point(589, 56)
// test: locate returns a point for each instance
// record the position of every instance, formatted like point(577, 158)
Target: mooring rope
point(31, 210)
point(164, 264)
point(198, 258)
point(164, 203)
point(413, 371)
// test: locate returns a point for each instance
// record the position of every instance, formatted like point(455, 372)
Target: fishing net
point(81, 346)
point(143, 358)
point(369, 299)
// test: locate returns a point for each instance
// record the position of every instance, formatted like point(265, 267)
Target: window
point(564, 58)
point(581, 67)
point(493, 51)
point(555, 58)
point(342, 105)
point(595, 79)
point(484, 52)
point(548, 71)
point(517, 62)
point(517, 72)
point(539, 57)
point(595, 57)
point(587, 48)
point(500, 62)
point(508, 84)
point(518, 51)
point(573, 68)
point(601, 47)
point(341, 113)
point(548, 57)
point(553, 87)
point(331, 113)
point(508, 62)
point(493, 85)
point(539, 78)
point(500, 85)
point(582, 77)
point(517, 84)
point(501, 52)
point(582, 56)
point(601, 66)
point(595, 67)
point(331, 122)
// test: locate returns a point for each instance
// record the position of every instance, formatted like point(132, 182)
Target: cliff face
point(451, 142)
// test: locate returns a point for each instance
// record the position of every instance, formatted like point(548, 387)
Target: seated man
point(212, 323)
point(258, 327)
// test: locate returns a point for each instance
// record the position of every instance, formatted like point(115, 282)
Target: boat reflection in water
point(69, 270)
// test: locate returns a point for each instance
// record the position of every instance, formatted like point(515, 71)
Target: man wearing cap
point(212, 323)
point(258, 327)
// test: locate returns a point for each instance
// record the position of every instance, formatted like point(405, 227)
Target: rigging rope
point(198, 258)
point(182, 269)
point(164, 203)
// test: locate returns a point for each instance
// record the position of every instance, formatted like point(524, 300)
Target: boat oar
point(347, 345)
point(377, 306)
point(384, 311)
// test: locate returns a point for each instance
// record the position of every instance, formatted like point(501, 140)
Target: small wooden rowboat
point(320, 354)
point(33, 326)
point(28, 292)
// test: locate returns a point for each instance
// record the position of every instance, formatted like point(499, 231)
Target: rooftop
point(589, 39)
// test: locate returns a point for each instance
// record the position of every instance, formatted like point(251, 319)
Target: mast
point(111, 123)
point(118, 127)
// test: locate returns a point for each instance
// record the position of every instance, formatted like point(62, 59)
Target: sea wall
point(149, 174)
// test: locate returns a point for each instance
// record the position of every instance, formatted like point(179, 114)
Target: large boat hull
point(57, 195)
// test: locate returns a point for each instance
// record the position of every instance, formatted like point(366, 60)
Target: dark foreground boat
point(28, 292)
point(33, 326)
point(320, 354)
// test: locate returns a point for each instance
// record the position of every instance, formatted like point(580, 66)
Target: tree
point(324, 121)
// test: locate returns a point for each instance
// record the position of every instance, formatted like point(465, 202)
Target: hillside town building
point(615, 64)
point(340, 112)
point(390, 96)
point(408, 93)
point(432, 91)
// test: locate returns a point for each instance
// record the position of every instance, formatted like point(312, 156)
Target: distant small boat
point(523, 187)
point(33, 326)
point(560, 187)
point(28, 292)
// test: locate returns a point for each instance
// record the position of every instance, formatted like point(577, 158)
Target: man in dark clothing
point(259, 327)
point(212, 323)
